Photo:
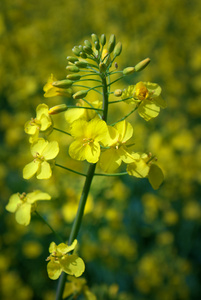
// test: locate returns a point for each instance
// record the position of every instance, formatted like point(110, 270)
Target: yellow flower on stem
point(143, 166)
point(23, 204)
point(60, 260)
point(42, 122)
point(52, 91)
point(117, 152)
point(146, 96)
point(88, 137)
point(42, 151)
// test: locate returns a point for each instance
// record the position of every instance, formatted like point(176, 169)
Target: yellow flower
point(42, 122)
point(88, 136)
point(42, 152)
point(23, 204)
point(52, 91)
point(60, 261)
point(146, 96)
point(81, 113)
point(112, 158)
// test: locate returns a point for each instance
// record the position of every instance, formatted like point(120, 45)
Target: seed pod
point(72, 59)
point(103, 39)
point(73, 69)
point(81, 64)
point(79, 95)
point(128, 70)
point(73, 76)
point(117, 49)
point(142, 64)
point(63, 84)
point(111, 43)
point(57, 109)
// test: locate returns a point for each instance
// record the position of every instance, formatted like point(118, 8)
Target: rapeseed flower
point(146, 96)
point(117, 152)
point(23, 204)
point(42, 122)
point(88, 137)
point(42, 151)
point(60, 261)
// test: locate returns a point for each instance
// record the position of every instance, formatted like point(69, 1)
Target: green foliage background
point(146, 242)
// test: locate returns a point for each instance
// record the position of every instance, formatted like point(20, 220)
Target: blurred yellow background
point(146, 242)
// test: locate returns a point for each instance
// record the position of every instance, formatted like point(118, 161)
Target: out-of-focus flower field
point(137, 243)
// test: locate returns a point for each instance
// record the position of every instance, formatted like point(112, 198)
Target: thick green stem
point(89, 176)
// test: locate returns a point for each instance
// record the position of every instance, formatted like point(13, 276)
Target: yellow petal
point(138, 169)
point(92, 152)
point(155, 176)
point(30, 169)
point(51, 150)
point(42, 109)
point(38, 146)
point(125, 131)
point(76, 150)
point(148, 110)
point(110, 160)
point(37, 195)
point(73, 265)
point(54, 269)
point(44, 172)
point(13, 203)
point(23, 214)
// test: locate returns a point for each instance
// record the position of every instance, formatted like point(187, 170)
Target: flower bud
point(103, 39)
point(73, 69)
point(83, 54)
point(102, 67)
point(81, 64)
point(94, 38)
point(57, 109)
point(97, 45)
point(111, 43)
point(118, 93)
point(142, 64)
point(79, 95)
point(88, 50)
point(76, 50)
point(117, 49)
point(88, 44)
point(72, 59)
point(73, 76)
point(63, 84)
point(128, 71)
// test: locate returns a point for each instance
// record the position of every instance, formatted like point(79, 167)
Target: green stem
point(114, 174)
point(76, 224)
point(65, 168)
point(44, 221)
point(61, 131)
point(125, 116)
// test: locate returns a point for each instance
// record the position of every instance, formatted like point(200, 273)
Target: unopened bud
point(72, 59)
point(111, 43)
point(102, 67)
point(88, 43)
point(73, 76)
point(141, 65)
point(83, 54)
point(118, 93)
point(81, 64)
point(63, 84)
point(94, 38)
point(57, 109)
point(74, 69)
point(97, 45)
point(103, 39)
point(117, 49)
point(79, 95)
point(88, 50)
point(128, 70)
point(76, 50)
